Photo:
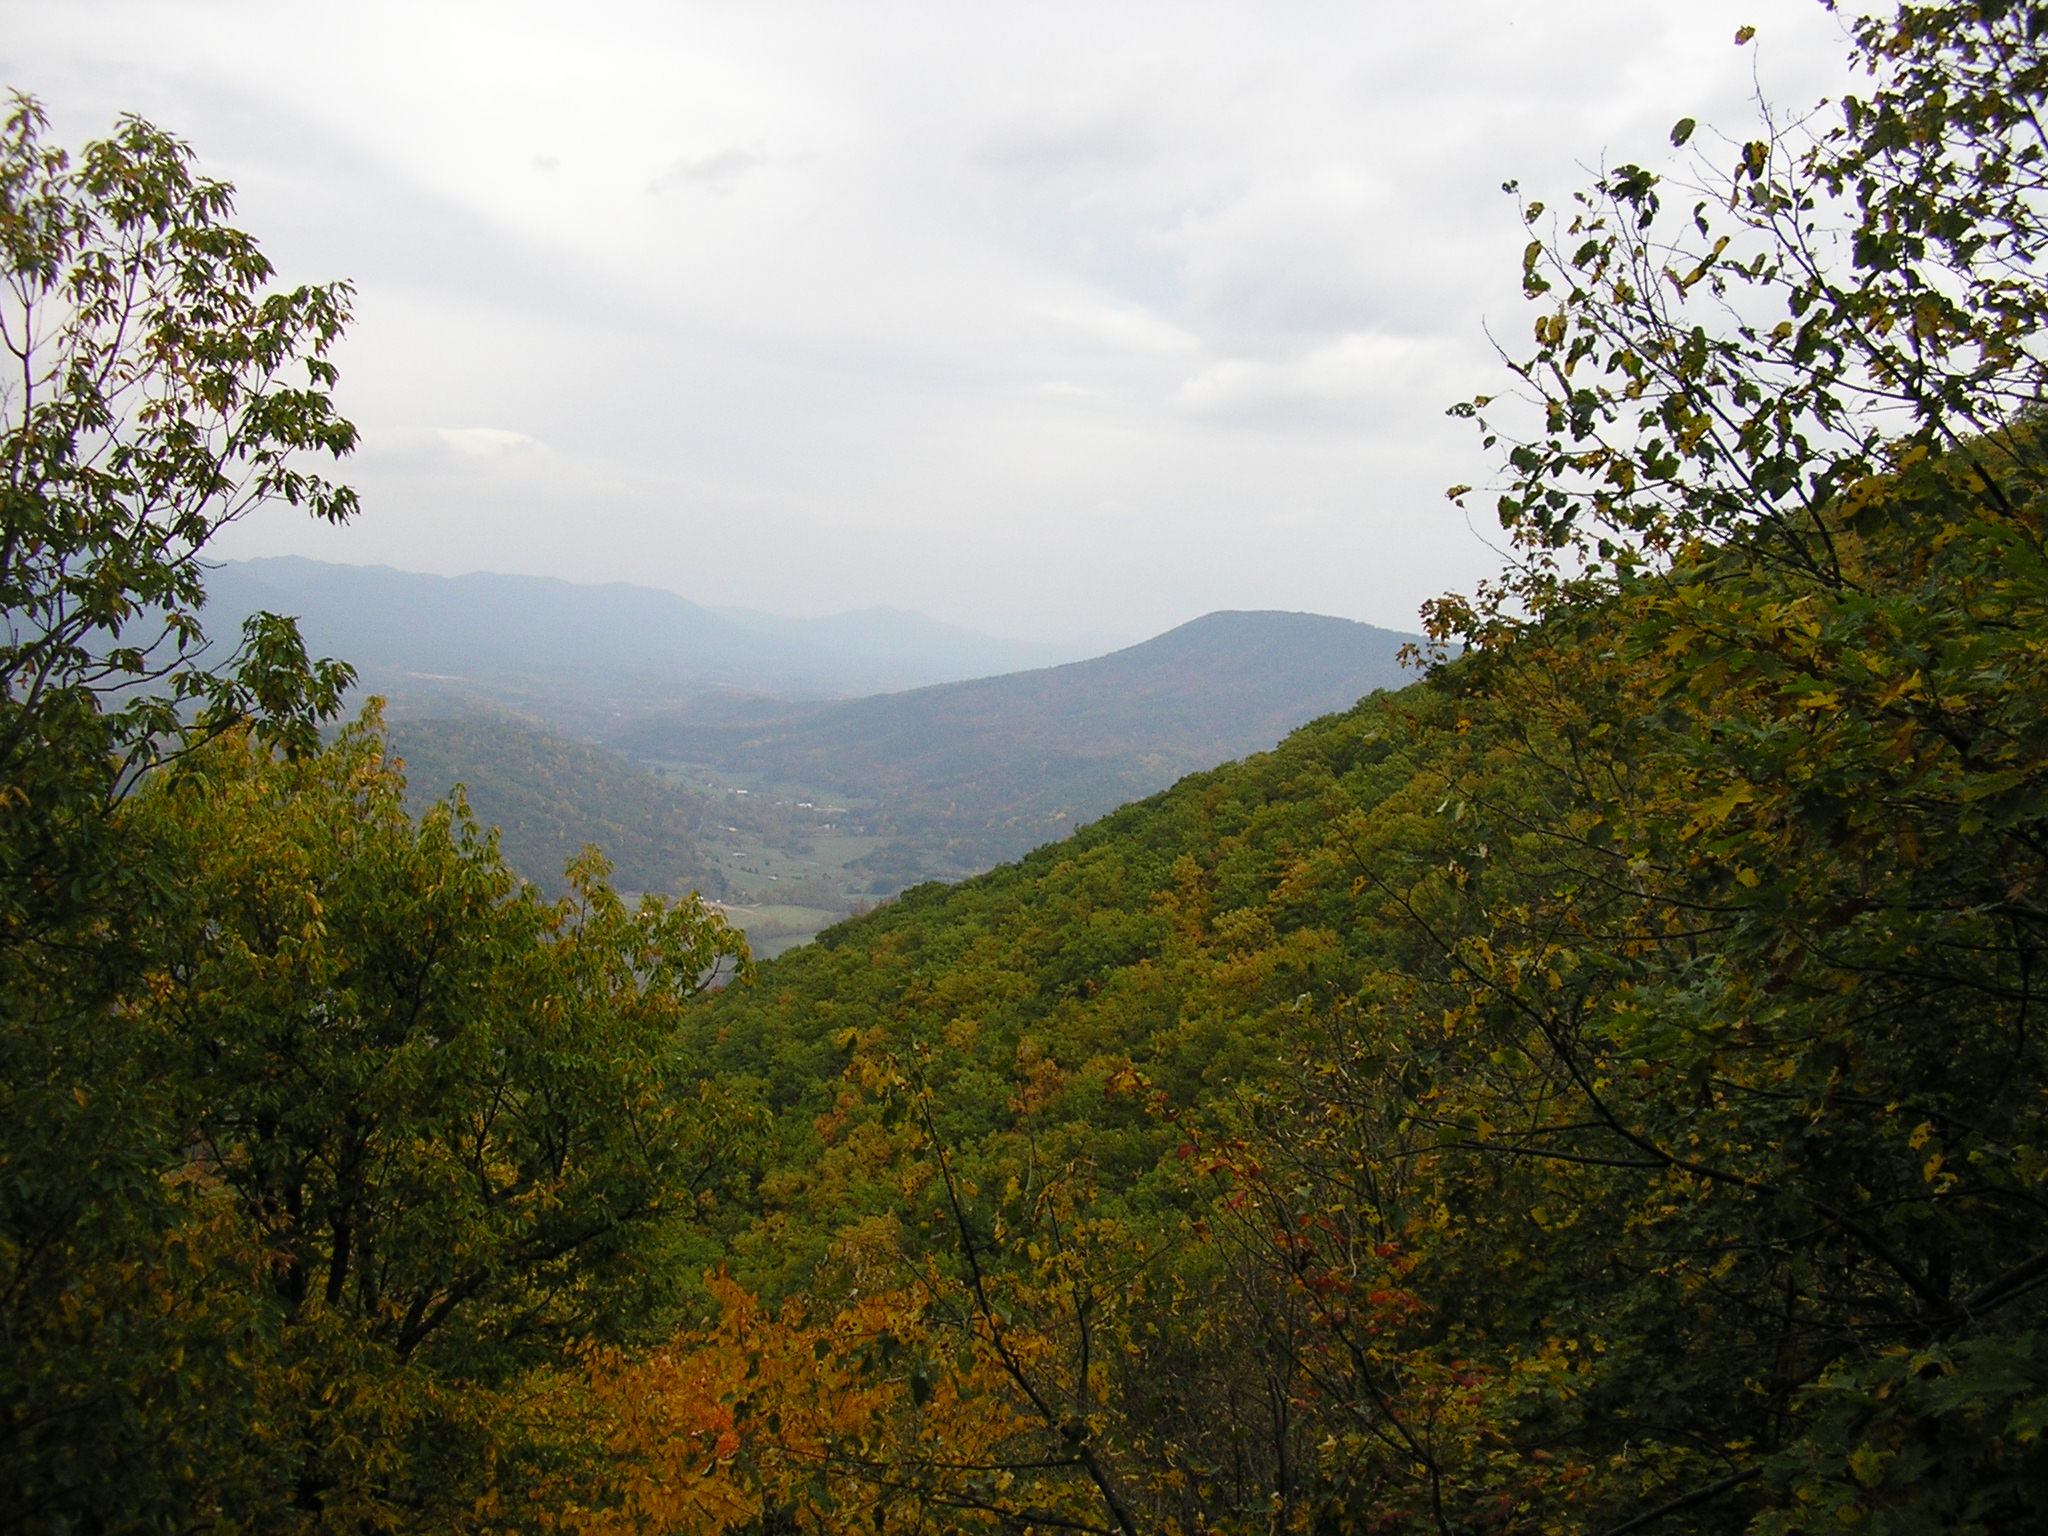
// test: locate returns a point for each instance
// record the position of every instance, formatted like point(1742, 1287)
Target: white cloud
point(488, 443)
point(1336, 384)
point(1121, 327)
point(713, 170)
point(1032, 316)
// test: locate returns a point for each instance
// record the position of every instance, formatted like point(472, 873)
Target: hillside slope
point(549, 798)
point(1601, 1073)
point(1003, 763)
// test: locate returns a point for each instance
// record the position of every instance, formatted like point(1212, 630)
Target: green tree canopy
point(157, 387)
point(323, 1138)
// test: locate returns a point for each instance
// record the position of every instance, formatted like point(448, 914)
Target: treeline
point(549, 798)
point(1596, 1089)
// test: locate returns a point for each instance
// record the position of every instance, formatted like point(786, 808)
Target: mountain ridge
point(1179, 669)
point(499, 633)
point(995, 766)
point(510, 682)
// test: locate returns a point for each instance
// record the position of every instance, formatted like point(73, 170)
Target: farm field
point(788, 856)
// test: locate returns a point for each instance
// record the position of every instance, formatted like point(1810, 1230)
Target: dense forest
point(1594, 1089)
point(548, 797)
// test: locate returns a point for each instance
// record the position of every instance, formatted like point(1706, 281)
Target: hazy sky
point(1049, 319)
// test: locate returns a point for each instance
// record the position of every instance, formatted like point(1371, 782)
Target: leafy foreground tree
point(1791, 444)
point(1735, 971)
point(155, 389)
point(320, 1135)
point(1652, 1136)
point(450, 1117)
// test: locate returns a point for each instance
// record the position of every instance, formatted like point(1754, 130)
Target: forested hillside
point(963, 775)
point(1515, 1100)
point(1596, 1089)
point(798, 813)
point(549, 798)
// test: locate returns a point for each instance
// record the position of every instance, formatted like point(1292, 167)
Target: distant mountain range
point(544, 646)
point(512, 684)
point(999, 764)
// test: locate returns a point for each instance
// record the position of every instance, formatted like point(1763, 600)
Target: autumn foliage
point(1596, 1089)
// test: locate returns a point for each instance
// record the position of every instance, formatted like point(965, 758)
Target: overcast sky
point(1049, 319)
